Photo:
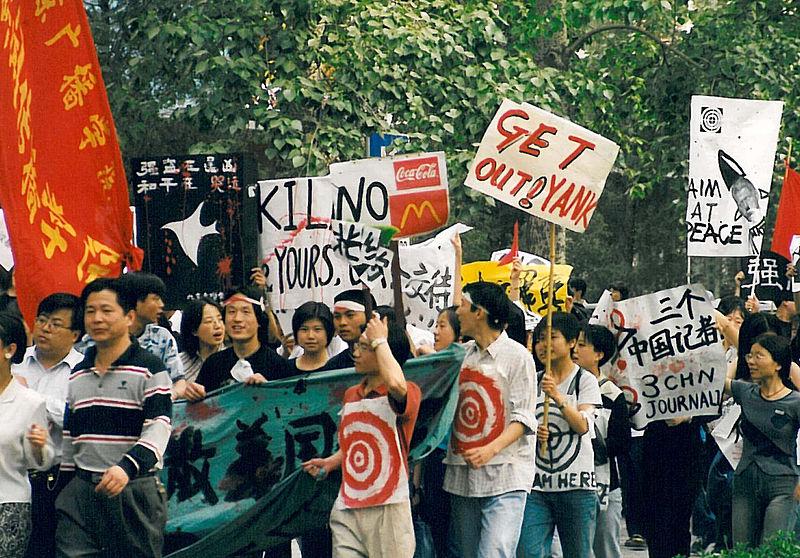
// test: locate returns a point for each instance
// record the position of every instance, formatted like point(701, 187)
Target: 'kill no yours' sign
point(543, 164)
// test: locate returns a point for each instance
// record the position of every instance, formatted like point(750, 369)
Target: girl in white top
point(24, 442)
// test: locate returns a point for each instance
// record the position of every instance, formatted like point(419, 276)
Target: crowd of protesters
point(86, 399)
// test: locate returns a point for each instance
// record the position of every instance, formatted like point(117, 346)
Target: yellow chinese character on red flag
point(97, 257)
point(106, 177)
point(77, 86)
point(67, 31)
point(43, 5)
point(57, 222)
point(29, 187)
point(95, 134)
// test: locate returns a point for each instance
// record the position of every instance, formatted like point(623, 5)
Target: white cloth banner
point(670, 360)
point(543, 164)
point(731, 157)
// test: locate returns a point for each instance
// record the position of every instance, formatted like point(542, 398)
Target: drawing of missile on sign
point(732, 144)
point(543, 164)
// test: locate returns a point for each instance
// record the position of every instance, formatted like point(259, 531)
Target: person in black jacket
point(595, 347)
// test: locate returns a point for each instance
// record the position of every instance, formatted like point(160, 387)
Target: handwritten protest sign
point(670, 359)
point(727, 435)
point(197, 233)
point(731, 156)
point(765, 276)
point(407, 192)
point(533, 288)
point(543, 164)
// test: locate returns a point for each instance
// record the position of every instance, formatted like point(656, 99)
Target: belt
point(49, 474)
point(94, 477)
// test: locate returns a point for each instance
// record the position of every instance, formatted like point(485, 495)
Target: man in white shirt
point(45, 368)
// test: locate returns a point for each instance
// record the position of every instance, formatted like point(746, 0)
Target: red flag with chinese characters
point(514, 251)
point(62, 183)
point(788, 221)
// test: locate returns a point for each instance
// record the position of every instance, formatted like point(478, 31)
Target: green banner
point(231, 468)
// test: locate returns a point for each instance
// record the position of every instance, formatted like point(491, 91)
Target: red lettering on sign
point(582, 146)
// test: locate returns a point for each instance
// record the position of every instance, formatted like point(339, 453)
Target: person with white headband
point(248, 359)
point(349, 319)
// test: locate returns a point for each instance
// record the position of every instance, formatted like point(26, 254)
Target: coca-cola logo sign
point(417, 173)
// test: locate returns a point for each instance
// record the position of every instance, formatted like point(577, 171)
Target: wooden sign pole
point(548, 330)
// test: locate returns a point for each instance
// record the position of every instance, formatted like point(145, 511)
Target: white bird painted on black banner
point(745, 194)
point(191, 231)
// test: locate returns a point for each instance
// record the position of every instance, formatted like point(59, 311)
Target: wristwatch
point(376, 342)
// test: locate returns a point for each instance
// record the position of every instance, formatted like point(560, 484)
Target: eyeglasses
point(54, 324)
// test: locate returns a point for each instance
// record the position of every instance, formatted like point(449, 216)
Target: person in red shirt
point(372, 514)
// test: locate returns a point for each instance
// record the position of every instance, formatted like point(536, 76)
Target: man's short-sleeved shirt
point(216, 370)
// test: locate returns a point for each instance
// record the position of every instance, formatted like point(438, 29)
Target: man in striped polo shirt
point(115, 433)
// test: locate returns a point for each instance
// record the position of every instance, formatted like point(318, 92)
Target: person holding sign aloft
point(564, 488)
point(766, 482)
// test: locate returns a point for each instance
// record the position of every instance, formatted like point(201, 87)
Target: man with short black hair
point(490, 459)
point(349, 319)
point(46, 368)
point(577, 287)
point(116, 431)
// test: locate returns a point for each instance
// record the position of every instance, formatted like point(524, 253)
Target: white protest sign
point(794, 252)
point(6, 257)
point(408, 192)
point(731, 157)
point(670, 360)
point(543, 164)
point(726, 434)
point(358, 246)
point(524, 257)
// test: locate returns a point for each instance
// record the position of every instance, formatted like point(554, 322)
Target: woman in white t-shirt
point(564, 489)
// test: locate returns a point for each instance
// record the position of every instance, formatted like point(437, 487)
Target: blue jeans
point(487, 527)
point(574, 512)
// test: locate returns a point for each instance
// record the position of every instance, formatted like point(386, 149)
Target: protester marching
point(206, 356)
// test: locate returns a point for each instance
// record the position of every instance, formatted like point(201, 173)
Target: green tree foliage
point(300, 84)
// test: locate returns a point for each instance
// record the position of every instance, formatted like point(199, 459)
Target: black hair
point(124, 296)
point(728, 304)
point(143, 284)
point(601, 339)
point(386, 311)
point(63, 301)
point(516, 324)
point(355, 295)
point(753, 326)
point(452, 318)
point(493, 299)
point(567, 324)
point(5, 278)
point(398, 342)
point(313, 311)
point(778, 348)
point(13, 331)
point(578, 284)
point(621, 287)
point(191, 318)
point(261, 316)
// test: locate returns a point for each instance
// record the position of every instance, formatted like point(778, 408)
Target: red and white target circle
point(480, 416)
point(372, 464)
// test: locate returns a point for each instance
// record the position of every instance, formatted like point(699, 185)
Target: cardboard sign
point(731, 156)
point(794, 251)
point(197, 231)
point(533, 287)
point(765, 276)
point(670, 358)
point(543, 164)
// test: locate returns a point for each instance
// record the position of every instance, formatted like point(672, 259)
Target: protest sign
point(407, 192)
point(794, 252)
point(524, 257)
point(194, 223)
point(765, 276)
point(241, 446)
point(731, 156)
point(6, 256)
point(543, 164)
point(533, 287)
point(359, 247)
point(63, 182)
point(727, 435)
point(670, 360)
